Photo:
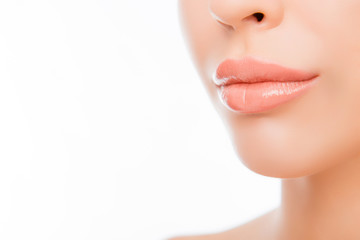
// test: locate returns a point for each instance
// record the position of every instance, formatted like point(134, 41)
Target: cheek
point(194, 20)
point(205, 39)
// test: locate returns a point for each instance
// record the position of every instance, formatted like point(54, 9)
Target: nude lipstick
point(250, 85)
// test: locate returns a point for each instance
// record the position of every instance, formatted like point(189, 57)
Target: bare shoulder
point(199, 237)
point(252, 230)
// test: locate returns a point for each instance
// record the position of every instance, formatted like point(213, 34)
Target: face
point(311, 132)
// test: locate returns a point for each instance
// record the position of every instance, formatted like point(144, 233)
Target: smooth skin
point(311, 143)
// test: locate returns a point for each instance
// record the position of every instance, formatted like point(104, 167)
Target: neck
point(322, 206)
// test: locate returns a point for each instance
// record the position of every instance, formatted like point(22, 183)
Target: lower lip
point(261, 97)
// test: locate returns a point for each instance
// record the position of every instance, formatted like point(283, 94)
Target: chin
point(277, 161)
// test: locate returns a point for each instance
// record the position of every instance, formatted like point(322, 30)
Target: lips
point(249, 85)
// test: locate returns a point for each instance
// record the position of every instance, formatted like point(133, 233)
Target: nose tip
point(236, 14)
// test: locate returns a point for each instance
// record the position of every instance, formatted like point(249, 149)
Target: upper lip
point(251, 70)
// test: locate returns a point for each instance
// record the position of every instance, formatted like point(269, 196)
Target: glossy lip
point(249, 85)
point(251, 70)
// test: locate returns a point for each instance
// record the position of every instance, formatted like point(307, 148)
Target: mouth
point(249, 85)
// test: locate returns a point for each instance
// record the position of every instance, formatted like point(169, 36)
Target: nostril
point(259, 16)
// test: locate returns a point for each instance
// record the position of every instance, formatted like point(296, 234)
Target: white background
point(106, 131)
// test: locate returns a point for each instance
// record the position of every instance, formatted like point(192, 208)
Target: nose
point(238, 14)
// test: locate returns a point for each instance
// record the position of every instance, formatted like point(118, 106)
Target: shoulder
point(180, 238)
point(217, 236)
point(202, 237)
point(253, 229)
